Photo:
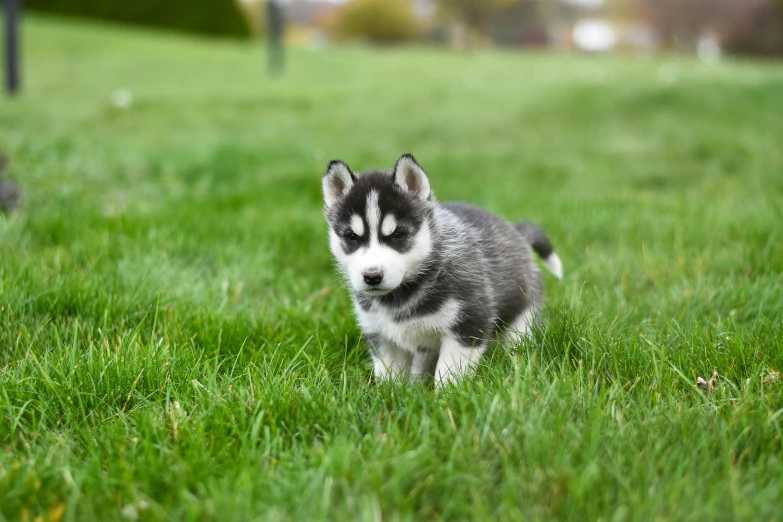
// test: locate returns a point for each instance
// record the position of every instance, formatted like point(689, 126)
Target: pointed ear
point(337, 181)
point(410, 177)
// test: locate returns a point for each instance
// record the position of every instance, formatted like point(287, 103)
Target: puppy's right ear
point(337, 181)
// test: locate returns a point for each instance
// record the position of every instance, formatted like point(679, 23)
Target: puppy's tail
point(541, 245)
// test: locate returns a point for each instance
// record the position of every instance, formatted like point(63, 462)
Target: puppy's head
point(379, 223)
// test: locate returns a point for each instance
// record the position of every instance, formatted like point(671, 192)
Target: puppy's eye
point(399, 234)
point(350, 236)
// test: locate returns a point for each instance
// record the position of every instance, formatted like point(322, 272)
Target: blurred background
point(152, 134)
point(709, 28)
point(162, 239)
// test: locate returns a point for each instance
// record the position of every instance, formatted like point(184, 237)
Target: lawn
point(176, 344)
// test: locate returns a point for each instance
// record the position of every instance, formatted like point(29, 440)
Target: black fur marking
point(510, 306)
point(474, 329)
point(423, 286)
point(365, 302)
point(408, 212)
point(403, 244)
point(352, 244)
point(536, 238)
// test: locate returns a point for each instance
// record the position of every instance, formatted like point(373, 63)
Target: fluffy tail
point(540, 243)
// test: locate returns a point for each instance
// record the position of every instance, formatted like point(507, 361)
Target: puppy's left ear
point(410, 177)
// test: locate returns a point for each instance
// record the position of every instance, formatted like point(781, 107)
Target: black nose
point(373, 278)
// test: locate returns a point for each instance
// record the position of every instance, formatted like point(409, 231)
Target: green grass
point(174, 338)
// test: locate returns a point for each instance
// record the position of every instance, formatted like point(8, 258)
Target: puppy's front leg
point(423, 363)
point(456, 360)
point(389, 361)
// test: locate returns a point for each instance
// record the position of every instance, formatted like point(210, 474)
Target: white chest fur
point(418, 332)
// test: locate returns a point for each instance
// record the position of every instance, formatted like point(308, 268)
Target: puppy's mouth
point(377, 291)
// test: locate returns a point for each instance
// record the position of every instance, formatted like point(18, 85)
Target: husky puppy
point(432, 283)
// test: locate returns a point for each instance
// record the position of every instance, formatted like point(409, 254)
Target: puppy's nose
point(373, 277)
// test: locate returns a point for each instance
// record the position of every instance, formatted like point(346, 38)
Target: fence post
point(12, 9)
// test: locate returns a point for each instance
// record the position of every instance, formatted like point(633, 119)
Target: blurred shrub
point(211, 17)
point(744, 26)
point(255, 15)
point(377, 21)
point(759, 31)
point(475, 15)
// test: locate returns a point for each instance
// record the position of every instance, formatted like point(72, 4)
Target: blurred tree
point(475, 16)
point(213, 17)
point(378, 21)
point(520, 23)
point(759, 30)
point(255, 15)
point(748, 26)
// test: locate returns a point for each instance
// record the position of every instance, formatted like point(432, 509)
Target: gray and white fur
point(432, 283)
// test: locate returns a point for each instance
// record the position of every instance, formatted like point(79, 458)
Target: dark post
point(12, 8)
point(276, 21)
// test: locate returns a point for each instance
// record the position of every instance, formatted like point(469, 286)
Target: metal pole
point(12, 8)
point(275, 30)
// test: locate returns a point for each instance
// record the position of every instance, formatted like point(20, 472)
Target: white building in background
point(590, 4)
point(594, 35)
point(708, 48)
